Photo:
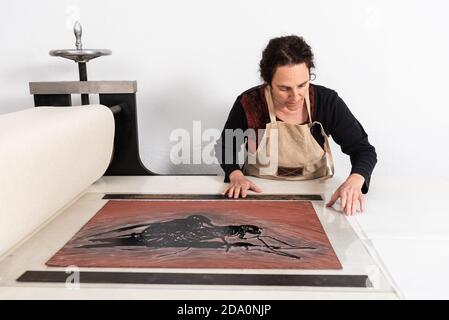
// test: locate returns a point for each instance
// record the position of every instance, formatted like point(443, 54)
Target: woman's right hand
point(239, 185)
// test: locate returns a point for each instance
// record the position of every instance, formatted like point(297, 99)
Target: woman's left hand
point(350, 192)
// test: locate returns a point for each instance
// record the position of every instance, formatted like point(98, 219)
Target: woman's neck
point(297, 116)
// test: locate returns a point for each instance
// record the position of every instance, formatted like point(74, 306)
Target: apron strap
point(270, 105)
point(326, 146)
point(323, 133)
point(308, 107)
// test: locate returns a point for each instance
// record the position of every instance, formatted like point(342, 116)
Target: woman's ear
point(312, 75)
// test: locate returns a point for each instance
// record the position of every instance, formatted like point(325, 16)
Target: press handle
point(77, 30)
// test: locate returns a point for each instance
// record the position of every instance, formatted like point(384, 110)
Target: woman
point(286, 123)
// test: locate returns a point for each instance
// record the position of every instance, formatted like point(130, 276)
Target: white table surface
point(405, 230)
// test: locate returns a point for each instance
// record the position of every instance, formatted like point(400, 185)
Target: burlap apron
point(289, 151)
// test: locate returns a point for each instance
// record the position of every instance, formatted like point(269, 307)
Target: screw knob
point(77, 30)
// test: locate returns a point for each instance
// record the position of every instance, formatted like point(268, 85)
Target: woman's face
point(290, 85)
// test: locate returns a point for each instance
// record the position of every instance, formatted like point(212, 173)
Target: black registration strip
point(305, 280)
point(137, 196)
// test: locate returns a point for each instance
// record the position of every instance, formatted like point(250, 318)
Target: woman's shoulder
point(254, 106)
point(323, 91)
point(325, 99)
point(253, 99)
point(254, 92)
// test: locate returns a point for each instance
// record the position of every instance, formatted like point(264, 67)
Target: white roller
point(48, 156)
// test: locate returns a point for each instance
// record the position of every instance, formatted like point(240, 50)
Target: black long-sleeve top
point(250, 111)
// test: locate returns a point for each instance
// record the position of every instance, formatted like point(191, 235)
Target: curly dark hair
point(283, 51)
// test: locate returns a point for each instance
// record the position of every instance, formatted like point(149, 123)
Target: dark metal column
point(82, 68)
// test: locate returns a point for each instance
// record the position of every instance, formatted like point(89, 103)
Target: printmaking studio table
point(400, 242)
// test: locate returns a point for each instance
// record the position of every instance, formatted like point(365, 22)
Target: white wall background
point(387, 59)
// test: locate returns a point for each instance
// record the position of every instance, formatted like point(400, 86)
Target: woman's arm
point(227, 153)
point(226, 150)
point(347, 132)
